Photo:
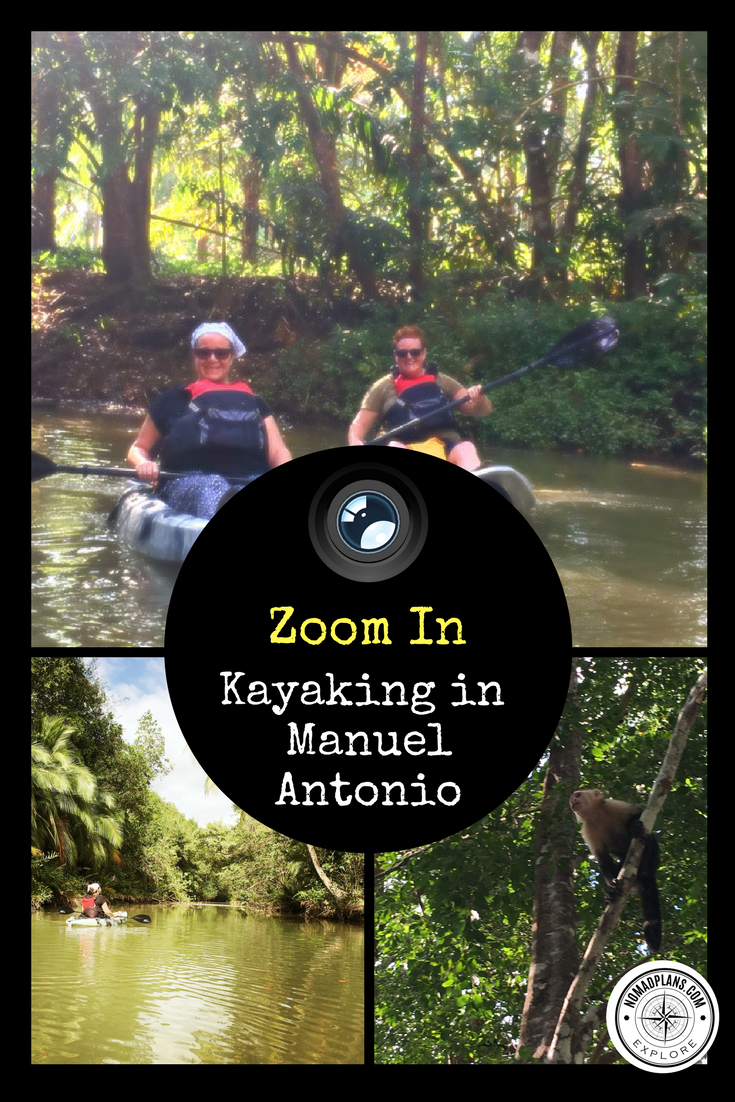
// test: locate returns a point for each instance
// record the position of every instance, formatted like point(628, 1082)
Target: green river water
point(199, 985)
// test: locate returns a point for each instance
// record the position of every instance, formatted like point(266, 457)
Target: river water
point(206, 985)
point(628, 542)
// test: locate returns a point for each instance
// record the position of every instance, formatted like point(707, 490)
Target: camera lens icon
point(368, 521)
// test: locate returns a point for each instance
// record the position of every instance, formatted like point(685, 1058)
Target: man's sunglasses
point(401, 353)
point(205, 353)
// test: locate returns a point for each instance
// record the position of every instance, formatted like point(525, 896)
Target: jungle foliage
point(94, 815)
point(454, 924)
point(478, 183)
point(378, 157)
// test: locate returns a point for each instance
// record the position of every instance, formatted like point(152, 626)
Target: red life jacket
point(401, 382)
point(202, 385)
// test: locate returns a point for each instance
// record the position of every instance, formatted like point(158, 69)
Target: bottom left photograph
point(168, 926)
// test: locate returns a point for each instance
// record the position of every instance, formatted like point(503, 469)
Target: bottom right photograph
point(509, 941)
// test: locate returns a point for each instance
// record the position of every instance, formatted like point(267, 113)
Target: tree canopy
point(383, 159)
point(320, 188)
point(94, 813)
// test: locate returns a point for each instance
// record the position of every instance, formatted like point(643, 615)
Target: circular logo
point(662, 1016)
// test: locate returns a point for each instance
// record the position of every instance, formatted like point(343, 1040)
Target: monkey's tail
point(651, 912)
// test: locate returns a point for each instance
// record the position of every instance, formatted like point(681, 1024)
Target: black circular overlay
point(368, 649)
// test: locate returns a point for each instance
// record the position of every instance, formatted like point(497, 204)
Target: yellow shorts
point(432, 446)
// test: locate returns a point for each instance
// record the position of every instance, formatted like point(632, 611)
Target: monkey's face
point(583, 799)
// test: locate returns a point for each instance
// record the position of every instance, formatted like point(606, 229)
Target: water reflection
point(199, 985)
point(629, 543)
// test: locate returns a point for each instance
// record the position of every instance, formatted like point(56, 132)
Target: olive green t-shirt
point(382, 395)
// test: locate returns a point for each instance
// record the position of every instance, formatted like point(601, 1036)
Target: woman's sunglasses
point(401, 353)
point(205, 353)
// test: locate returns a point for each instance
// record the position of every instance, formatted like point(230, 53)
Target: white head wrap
point(93, 887)
point(221, 327)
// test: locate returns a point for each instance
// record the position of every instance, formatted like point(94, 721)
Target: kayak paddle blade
point(41, 467)
point(590, 339)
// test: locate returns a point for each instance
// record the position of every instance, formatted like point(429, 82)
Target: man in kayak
point(94, 904)
point(212, 428)
point(416, 388)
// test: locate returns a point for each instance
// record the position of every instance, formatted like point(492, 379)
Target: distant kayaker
point(213, 428)
point(414, 388)
point(95, 904)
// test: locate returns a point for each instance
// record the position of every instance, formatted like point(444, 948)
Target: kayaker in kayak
point(415, 387)
point(213, 428)
point(94, 904)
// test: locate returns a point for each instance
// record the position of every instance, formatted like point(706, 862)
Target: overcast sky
point(138, 685)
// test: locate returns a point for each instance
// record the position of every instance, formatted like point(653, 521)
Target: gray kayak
point(117, 919)
point(151, 527)
point(512, 483)
point(148, 525)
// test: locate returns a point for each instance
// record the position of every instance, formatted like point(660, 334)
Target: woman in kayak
point(416, 388)
point(212, 428)
point(95, 905)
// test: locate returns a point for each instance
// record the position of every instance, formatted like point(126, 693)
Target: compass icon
point(665, 1018)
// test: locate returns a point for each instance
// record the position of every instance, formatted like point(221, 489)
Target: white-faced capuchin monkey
point(607, 828)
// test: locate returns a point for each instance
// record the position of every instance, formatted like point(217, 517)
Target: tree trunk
point(634, 254)
point(325, 156)
point(126, 212)
point(416, 161)
point(251, 181)
point(590, 41)
point(43, 217)
point(545, 265)
point(554, 956)
point(125, 171)
point(331, 888)
point(43, 221)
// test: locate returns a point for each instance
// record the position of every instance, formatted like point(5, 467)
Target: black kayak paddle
point(588, 341)
point(42, 467)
